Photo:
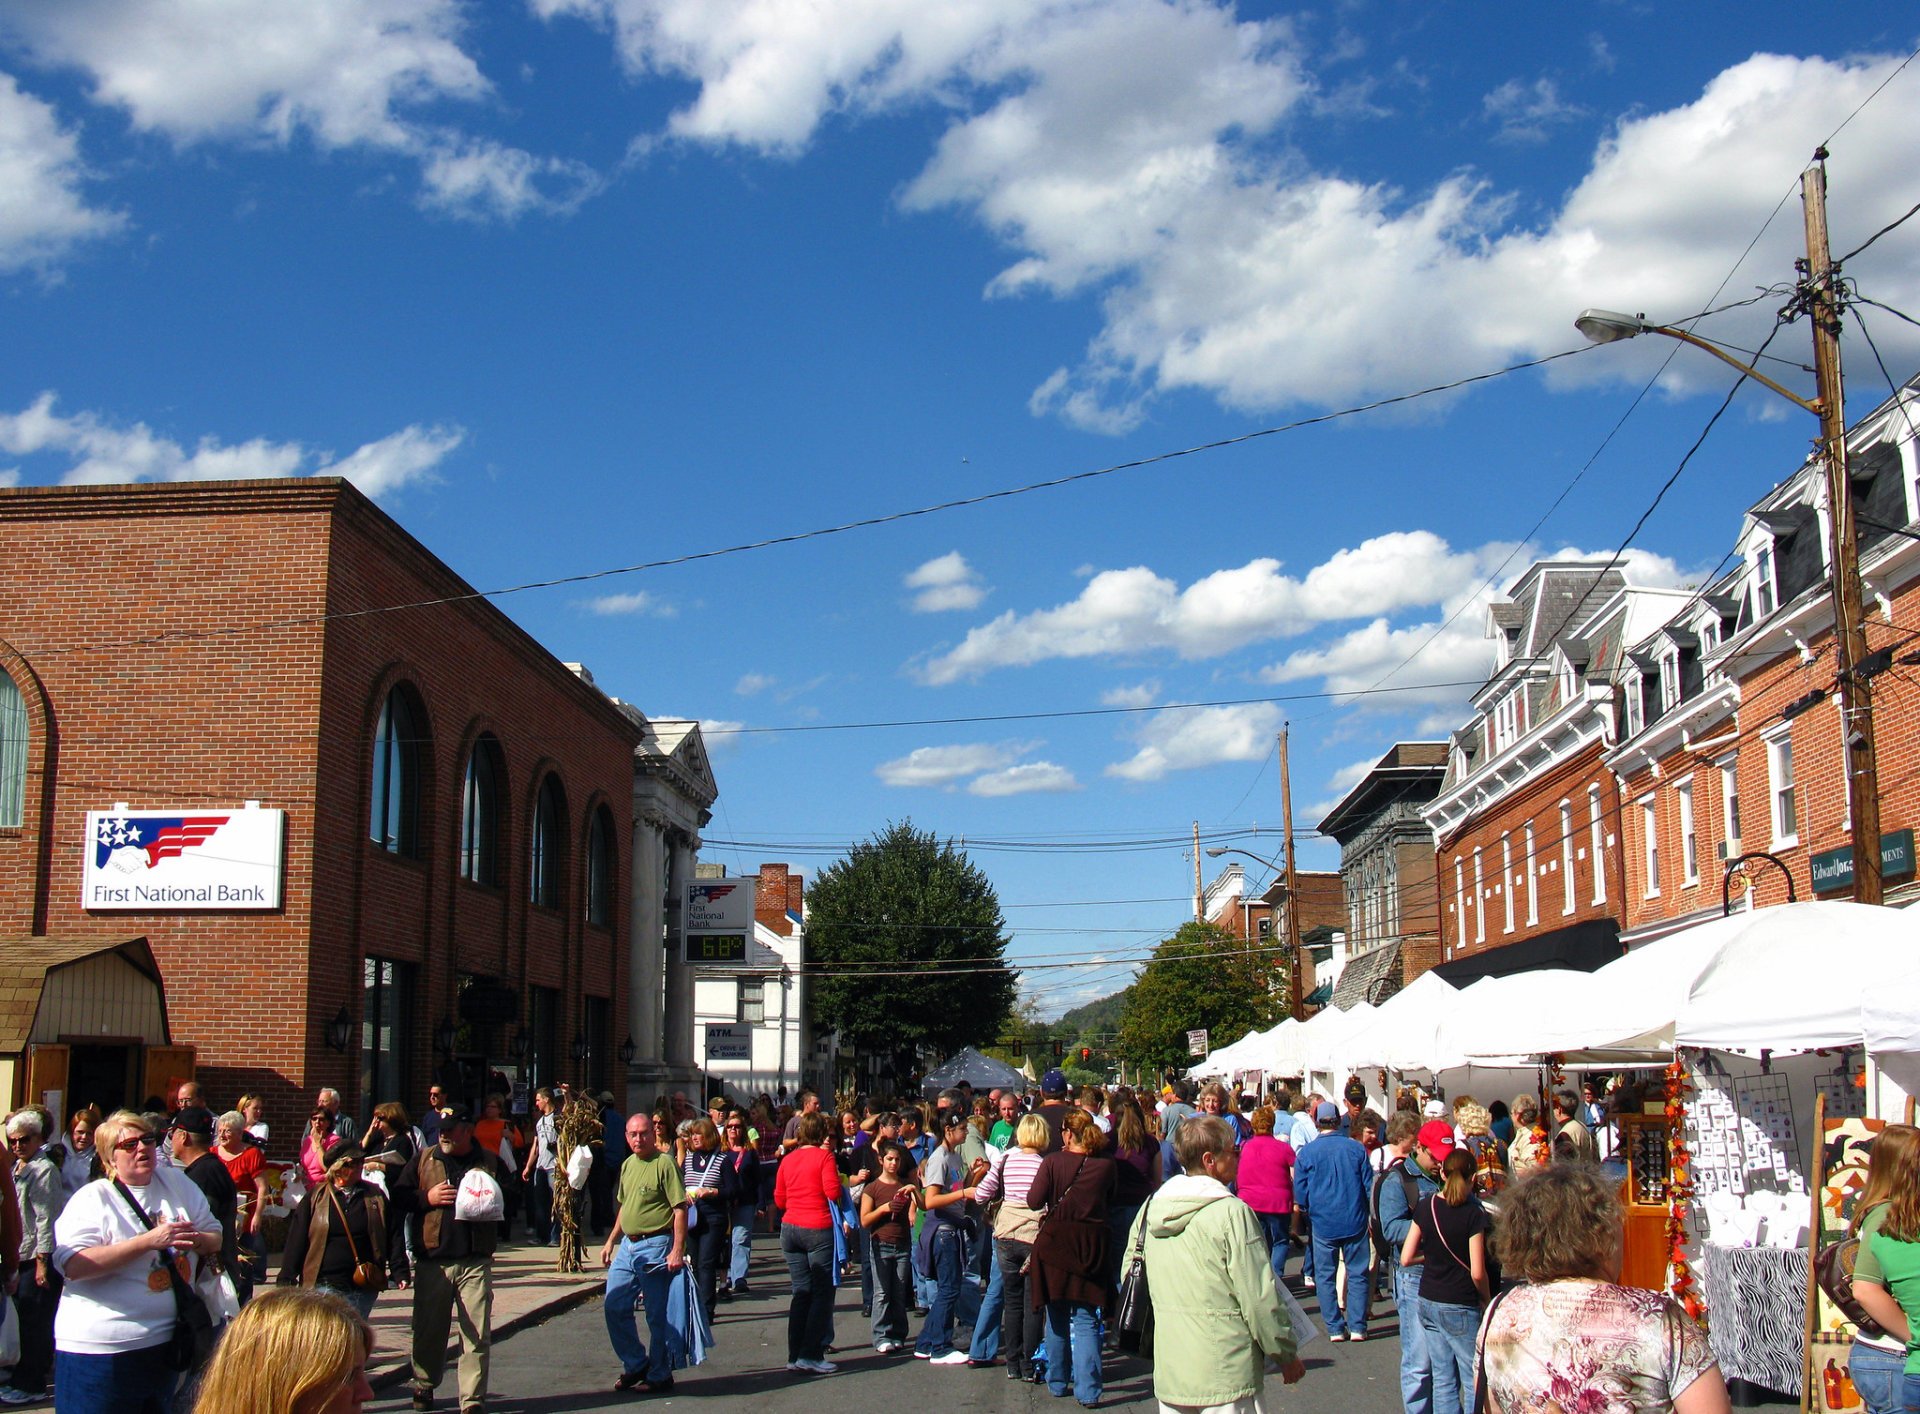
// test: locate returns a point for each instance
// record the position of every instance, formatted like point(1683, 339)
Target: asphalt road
point(567, 1364)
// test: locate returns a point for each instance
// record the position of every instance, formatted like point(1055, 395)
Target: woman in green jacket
point(1211, 1285)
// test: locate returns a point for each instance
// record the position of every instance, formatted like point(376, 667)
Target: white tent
point(1400, 1033)
point(1892, 1021)
point(1278, 1051)
point(1323, 1033)
point(1482, 1017)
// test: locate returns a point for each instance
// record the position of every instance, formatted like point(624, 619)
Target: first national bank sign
point(217, 860)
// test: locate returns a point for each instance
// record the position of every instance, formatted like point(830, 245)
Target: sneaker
point(798, 1367)
point(921, 1355)
point(1356, 1335)
point(10, 1395)
point(422, 1398)
point(952, 1357)
point(820, 1367)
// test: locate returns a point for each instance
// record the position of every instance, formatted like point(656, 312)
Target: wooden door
point(166, 1068)
point(46, 1071)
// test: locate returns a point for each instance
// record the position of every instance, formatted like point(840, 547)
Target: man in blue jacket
point(1333, 1183)
point(1405, 1184)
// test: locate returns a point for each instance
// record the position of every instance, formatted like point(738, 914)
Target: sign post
point(719, 920)
point(1197, 1044)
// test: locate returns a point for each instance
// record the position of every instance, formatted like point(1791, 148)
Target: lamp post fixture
point(1290, 933)
point(1818, 292)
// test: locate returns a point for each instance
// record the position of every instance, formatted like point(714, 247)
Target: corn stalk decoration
point(579, 1124)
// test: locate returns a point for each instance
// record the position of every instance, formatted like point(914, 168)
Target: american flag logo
point(158, 837)
point(713, 893)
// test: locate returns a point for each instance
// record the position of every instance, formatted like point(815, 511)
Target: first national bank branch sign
point(206, 860)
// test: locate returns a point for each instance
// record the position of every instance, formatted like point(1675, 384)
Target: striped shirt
point(1019, 1167)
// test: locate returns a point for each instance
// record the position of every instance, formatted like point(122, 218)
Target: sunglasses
point(139, 1141)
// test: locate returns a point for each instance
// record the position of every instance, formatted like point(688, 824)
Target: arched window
point(549, 843)
point(13, 754)
point(600, 870)
point(398, 751)
point(480, 814)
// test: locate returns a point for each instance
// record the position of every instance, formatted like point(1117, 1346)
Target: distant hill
point(1101, 1017)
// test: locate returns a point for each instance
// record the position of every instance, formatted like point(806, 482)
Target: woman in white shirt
point(116, 1314)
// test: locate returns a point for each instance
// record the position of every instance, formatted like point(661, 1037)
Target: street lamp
point(626, 1051)
point(1818, 296)
point(1294, 1002)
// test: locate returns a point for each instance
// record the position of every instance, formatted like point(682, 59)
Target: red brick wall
point(285, 715)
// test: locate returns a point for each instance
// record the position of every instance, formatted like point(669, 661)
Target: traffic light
point(1059, 1049)
point(1086, 1054)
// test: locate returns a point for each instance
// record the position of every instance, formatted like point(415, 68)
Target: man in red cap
point(1404, 1186)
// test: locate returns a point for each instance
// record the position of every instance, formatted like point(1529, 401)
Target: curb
point(553, 1306)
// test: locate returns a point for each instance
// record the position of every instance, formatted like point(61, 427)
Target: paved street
point(565, 1364)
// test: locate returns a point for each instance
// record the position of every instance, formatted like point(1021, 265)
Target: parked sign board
point(1197, 1044)
point(729, 1043)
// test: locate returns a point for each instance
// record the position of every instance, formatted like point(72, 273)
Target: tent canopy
point(1400, 1033)
point(979, 1071)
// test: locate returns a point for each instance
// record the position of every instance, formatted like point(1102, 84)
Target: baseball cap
point(1326, 1110)
point(1436, 1135)
point(194, 1119)
point(1436, 1109)
point(1053, 1083)
point(456, 1114)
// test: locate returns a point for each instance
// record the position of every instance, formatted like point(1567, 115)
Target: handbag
point(368, 1276)
point(1133, 1309)
point(1833, 1269)
point(1482, 1399)
point(191, 1344)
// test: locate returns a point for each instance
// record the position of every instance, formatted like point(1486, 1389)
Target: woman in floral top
point(1572, 1340)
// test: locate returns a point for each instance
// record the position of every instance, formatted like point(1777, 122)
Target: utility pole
point(1849, 626)
point(1293, 912)
point(1199, 890)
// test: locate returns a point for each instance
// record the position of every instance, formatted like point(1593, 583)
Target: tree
point(1200, 978)
point(904, 903)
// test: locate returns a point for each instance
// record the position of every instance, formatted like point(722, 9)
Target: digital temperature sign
point(716, 947)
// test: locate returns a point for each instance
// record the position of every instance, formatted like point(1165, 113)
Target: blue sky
point(576, 284)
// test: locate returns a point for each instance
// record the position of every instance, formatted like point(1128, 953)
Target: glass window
point(1763, 591)
point(13, 754)
point(386, 1010)
point(1479, 899)
point(1533, 880)
point(397, 755)
point(1689, 840)
point(1459, 901)
point(549, 834)
point(1506, 879)
point(1650, 830)
point(1566, 857)
point(597, 1027)
point(600, 871)
point(1596, 828)
point(480, 814)
point(543, 1037)
point(1730, 804)
point(753, 1001)
point(1786, 818)
point(1635, 717)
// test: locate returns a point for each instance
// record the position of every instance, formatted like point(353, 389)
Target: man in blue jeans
point(949, 1185)
point(1404, 1185)
point(643, 1254)
point(1332, 1182)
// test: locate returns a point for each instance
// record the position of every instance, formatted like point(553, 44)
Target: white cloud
point(1025, 779)
point(98, 451)
point(943, 765)
point(751, 683)
point(1184, 740)
point(1139, 695)
point(9, 476)
point(1525, 112)
point(1133, 610)
point(345, 74)
point(945, 583)
point(1129, 149)
point(42, 212)
point(637, 601)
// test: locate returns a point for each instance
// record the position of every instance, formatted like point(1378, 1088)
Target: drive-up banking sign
point(213, 860)
point(719, 919)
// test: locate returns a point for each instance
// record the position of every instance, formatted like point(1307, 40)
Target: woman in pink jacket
point(1266, 1186)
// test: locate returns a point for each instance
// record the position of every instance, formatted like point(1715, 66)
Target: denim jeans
point(1876, 1374)
point(860, 1247)
point(1073, 1346)
point(640, 1270)
point(1909, 1393)
point(809, 1254)
point(132, 1382)
point(1273, 1227)
point(742, 1249)
point(1020, 1322)
point(707, 1254)
point(1449, 1330)
point(357, 1297)
point(986, 1325)
point(1326, 1268)
point(36, 1305)
point(1416, 1368)
point(541, 1223)
point(946, 1260)
point(892, 1291)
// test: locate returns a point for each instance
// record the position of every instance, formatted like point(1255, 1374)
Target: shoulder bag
point(1433, 1211)
point(1833, 1269)
point(1482, 1397)
point(1133, 1308)
point(368, 1276)
point(193, 1333)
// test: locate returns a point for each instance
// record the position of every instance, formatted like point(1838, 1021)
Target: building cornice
point(1583, 721)
point(1674, 729)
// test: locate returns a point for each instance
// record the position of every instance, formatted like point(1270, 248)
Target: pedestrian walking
point(536, 1171)
point(453, 1256)
point(808, 1193)
point(711, 1191)
point(341, 1238)
point(888, 1206)
point(744, 1159)
point(1266, 1186)
point(948, 1185)
point(644, 1254)
point(1015, 1225)
point(1214, 1297)
point(43, 1195)
point(1451, 1228)
point(1069, 1264)
point(1402, 1186)
point(1332, 1182)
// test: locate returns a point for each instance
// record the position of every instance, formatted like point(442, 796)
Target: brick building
point(1527, 820)
point(458, 806)
point(1733, 743)
point(1387, 873)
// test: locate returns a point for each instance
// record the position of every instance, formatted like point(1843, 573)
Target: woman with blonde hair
point(1886, 1276)
point(295, 1350)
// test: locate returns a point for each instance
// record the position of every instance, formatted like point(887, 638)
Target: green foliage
point(906, 899)
point(1101, 1018)
point(1194, 980)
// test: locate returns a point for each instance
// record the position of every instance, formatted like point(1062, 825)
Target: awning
point(1371, 977)
point(26, 964)
point(1319, 996)
point(982, 1072)
point(1578, 947)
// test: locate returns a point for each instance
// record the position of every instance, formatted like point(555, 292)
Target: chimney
point(770, 898)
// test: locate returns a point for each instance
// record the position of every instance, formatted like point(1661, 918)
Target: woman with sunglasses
point(116, 1315)
point(745, 1159)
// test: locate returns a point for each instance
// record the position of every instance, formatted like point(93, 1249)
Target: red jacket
point(808, 1182)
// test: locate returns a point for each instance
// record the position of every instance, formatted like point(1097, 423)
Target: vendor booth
point(982, 1072)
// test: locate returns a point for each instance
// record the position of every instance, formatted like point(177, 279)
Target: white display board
point(183, 858)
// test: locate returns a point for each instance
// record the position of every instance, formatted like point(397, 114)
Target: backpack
point(1410, 1188)
point(1489, 1165)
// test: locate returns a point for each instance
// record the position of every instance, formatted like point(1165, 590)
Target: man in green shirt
point(643, 1254)
point(1001, 1135)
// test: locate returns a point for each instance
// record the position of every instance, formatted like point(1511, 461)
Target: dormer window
point(1669, 682)
point(1765, 593)
point(1709, 635)
point(1569, 682)
point(1636, 714)
point(1506, 720)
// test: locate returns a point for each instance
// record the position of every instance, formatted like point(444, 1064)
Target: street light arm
point(1604, 327)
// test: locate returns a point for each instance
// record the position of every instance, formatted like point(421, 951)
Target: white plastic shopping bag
point(579, 1167)
point(479, 1199)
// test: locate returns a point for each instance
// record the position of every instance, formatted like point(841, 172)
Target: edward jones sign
point(208, 860)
